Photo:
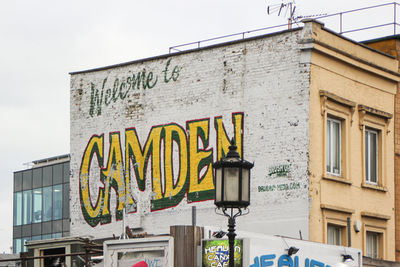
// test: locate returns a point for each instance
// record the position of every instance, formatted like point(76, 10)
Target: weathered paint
point(279, 171)
point(119, 89)
point(167, 191)
point(151, 147)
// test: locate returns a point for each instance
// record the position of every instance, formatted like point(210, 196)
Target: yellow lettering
point(139, 158)
point(175, 133)
point(113, 177)
point(223, 141)
point(201, 184)
point(90, 213)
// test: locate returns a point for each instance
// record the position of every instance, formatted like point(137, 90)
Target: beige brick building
point(391, 46)
point(352, 95)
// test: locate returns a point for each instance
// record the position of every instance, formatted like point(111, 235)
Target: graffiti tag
point(279, 187)
point(279, 171)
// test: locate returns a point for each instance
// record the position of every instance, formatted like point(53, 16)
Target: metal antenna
point(284, 6)
point(289, 6)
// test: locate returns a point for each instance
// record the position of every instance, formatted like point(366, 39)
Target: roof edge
point(185, 52)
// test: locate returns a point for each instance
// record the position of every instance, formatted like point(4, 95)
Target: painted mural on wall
point(112, 91)
point(127, 165)
point(277, 173)
point(144, 134)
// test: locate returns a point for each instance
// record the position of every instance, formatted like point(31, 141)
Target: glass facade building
point(41, 202)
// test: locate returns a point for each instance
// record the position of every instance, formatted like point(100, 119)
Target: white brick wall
point(263, 78)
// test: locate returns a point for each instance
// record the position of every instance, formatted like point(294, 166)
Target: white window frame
point(337, 234)
point(372, 249)
point(367, 155)
point(329, 149)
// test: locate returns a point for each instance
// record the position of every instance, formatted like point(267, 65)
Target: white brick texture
point(264, 80)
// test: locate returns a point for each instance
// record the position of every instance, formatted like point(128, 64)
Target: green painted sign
point(117, 90)
point(215, 253)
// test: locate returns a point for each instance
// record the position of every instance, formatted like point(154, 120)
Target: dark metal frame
point(91, 249)
point(242, 35)
point(231, 229)
point(226, 163)
point(237, 164)
point(240, 163)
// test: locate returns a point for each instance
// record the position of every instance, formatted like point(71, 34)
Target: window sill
point(374, 187)
point(337, 179)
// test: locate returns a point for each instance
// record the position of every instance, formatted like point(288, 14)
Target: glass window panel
point(36, 229)
point(372, 245)
point(65, 200)
point(336, 148)
point(17, 246)
point(329, 147)
point(24, 240)
point(65, 233)
point(374, 154)
point(333, 146)
point(27, 207)
point(245, 185)
point(65, 225)
point(37, 237)
point(218, 182)
point(47, 227)
point(37, 178)
point(46, 236)
point(371, 156)
point(18, 208)
point(57, 226)
point(17, 231)
point(47, 203)
point(17, 181)
point(27, 180)
point(56, 235)
point(47, 176)
point(37, 205)
point(66, 172)
point(367, 155)
point(26, 230)
point(231, 181)
point(57, 202)
point(334, 235)
point(58, 174)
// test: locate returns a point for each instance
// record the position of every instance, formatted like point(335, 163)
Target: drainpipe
point(348, 232)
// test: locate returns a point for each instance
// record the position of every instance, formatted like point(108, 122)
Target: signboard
point(265, 250)
point(215, 253)
point(155, 252)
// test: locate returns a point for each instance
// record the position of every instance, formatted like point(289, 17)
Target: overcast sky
point(42, 41)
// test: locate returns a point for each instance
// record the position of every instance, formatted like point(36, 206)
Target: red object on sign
point(140, 264)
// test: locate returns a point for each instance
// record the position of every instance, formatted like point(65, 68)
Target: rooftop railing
point(358, 24)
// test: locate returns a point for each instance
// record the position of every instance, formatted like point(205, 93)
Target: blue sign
point(285, 261)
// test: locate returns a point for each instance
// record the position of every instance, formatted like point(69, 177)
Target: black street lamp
point(232, 190)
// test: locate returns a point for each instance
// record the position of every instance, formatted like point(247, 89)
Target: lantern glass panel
point(245, 184)
point(231, 184)
point(218, 184)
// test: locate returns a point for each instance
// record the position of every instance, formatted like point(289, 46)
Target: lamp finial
point(232, 153)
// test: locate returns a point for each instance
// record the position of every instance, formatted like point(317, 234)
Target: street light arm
point(231, 229)
point(226, 214)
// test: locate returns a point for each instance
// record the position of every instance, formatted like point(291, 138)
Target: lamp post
point(232, 190)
